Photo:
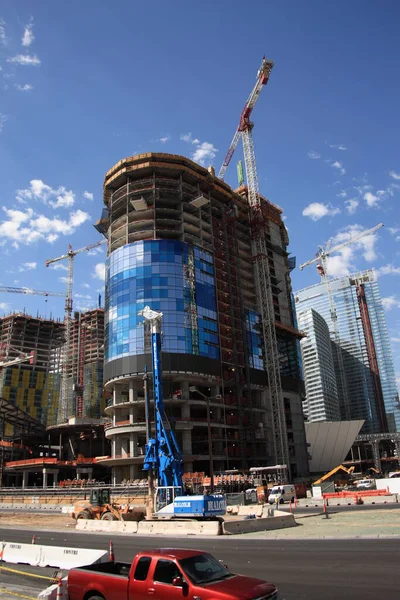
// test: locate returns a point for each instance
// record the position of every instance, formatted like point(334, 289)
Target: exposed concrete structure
point(179, 240)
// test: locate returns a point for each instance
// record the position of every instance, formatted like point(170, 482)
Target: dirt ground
point(37, 520)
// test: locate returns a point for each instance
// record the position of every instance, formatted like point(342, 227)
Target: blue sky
point(84, 84)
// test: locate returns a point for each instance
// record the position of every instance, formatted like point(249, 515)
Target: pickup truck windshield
point(204, 568)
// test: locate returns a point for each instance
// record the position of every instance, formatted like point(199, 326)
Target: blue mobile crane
point(163, 456)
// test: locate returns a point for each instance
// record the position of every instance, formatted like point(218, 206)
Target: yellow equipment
point(100, 507)
point(335, 470)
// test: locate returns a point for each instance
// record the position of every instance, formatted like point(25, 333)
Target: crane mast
point(321, 260)
point(70, 256)
point(261, 262)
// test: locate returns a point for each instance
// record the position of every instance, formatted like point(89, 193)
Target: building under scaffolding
point(85, 365)
point(34, 388)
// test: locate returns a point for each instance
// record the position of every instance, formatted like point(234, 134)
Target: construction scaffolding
point(32, 388)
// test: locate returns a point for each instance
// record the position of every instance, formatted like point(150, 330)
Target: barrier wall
point(37, 555)
point(391, 483)
point(282, 521)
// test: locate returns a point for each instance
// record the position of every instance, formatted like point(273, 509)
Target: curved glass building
point(179, 241)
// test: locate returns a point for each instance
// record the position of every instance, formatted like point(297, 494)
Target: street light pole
point(210, 450)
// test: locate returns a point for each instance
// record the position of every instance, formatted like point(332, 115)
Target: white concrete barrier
point(67, 509)
point(70, 558)
point(179, 527)
point(281, 521)
point(254, 509)
point(391, 484)
point(111, 526)
point(50, 593)
point(24, 554)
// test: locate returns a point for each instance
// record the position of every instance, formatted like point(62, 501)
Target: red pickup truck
point(166, 574)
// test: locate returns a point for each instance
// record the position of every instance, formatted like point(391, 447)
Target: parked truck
point(166, 574)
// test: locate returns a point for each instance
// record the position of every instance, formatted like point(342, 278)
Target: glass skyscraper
point(364, 346)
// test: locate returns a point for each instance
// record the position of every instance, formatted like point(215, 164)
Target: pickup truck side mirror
point(177, 582)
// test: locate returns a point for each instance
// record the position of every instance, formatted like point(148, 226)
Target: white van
point(281, 494)
point(366, 484)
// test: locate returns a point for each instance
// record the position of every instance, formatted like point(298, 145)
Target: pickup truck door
point(160, 584)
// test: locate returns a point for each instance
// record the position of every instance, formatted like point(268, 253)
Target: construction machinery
point(261, 262)
point(349, 471)
point(163, 459)
point(321, 261)
point(70, 256)
point(99, 506)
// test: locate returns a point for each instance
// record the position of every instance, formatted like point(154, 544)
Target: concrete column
point(55, 478)
point(44, 471)
point(25, 475)
point(185, 410)
point(132, 392)
point(114, 476)
point(186, 442)
point(78, 474)
point(397, 443)
point(132, 472)
point(113, 448)
point(184, 386)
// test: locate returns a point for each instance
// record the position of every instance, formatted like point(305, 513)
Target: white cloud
point(3, 119)
point(394, 230)
point(28, 36)
point(388, 269)
point(83, 296)
point(27, 266)
point(58, 267)
point(3, 36)
point(396, 340)
point(23, 88)
point(39, 190)
point(99, 271)
point(317, 210)
point(338, 165)
point(4, 305)
point(343, 262)
point(338, 147)
point(351, 205)
point(390, 302)
point(371, 199)
point(164, 140)
point(27, 227)
point(88, 195)
point(313, 155)
point(187, 137)
point(342, 194)
point(63, 279)
point(204, 153)
point(86, 285)
point(394, 175)
point(25, 60)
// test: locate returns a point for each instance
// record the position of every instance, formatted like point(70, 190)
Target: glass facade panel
point(171, 277)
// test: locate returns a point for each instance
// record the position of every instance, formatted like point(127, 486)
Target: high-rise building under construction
point(179, 240)
point(34, 388)
point(363, 342)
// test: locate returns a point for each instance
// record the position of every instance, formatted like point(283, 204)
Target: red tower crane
point(261, 262)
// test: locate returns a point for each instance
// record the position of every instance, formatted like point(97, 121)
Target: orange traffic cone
point(111, 552)
point(59, 590)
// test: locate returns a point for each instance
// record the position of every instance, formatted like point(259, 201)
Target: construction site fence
point(47, 494)
point(358, 493)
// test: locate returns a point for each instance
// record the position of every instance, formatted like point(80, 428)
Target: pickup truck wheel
point(84, 514)
point(108, 516)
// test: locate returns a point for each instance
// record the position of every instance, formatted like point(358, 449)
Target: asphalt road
point(312, 569)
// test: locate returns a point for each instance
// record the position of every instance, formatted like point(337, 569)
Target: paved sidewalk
point(368, 524)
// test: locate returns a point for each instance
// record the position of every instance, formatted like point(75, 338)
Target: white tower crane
point(321, 261)
point(260, 255)
point(64, 413)
point(29, 291)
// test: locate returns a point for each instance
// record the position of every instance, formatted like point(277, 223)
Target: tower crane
point(70, 255)
point(29, 291)
point(260, 257)
point(321, 260)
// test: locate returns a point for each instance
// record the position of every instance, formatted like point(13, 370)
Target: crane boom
point(70, 255)
point(262, 79)
point(29, 291)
